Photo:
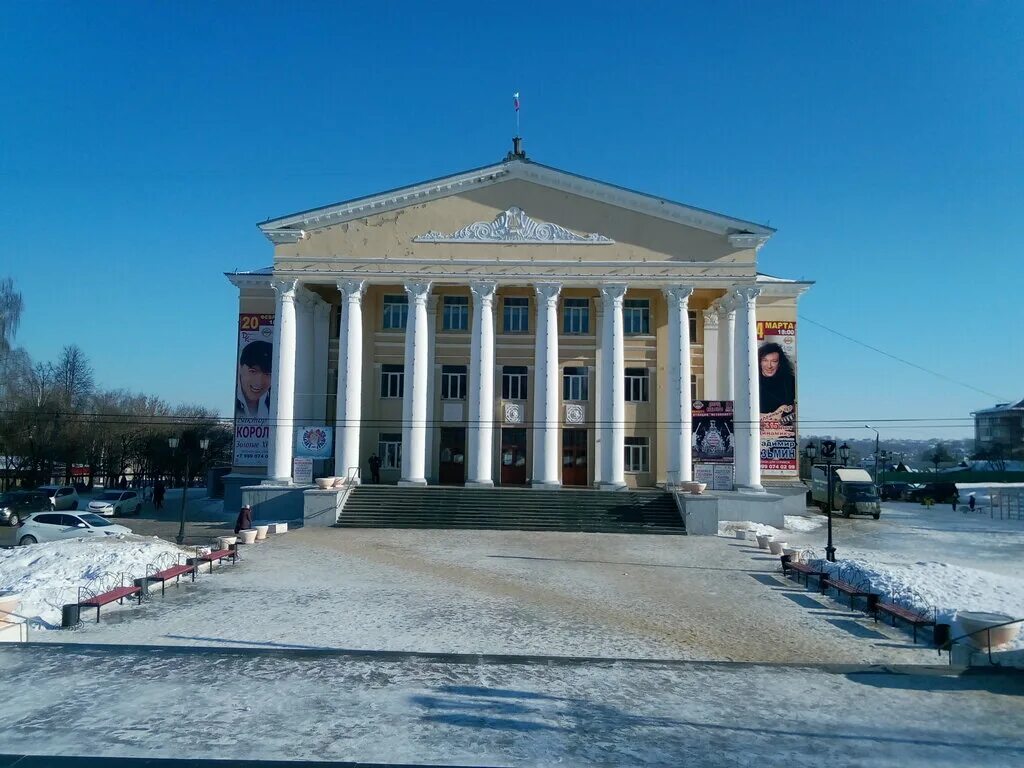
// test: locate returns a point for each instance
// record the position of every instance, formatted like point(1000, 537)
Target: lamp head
point(172, 442)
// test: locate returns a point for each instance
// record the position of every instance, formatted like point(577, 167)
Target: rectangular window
point(456, 313)
point(576, 316)
point(396, 312)
point(516, 314)
point(574, 383)
point(392, 381)
point(636, 317)
point(637, 454)
point(637, 385)
point(389, 449)
point(453, 382)
point(513, 382)
point(693, 326)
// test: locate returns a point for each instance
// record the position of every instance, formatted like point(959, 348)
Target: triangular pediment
point(295, 227)
point(514, 226)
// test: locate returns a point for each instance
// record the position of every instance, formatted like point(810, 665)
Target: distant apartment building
point(1000, 430)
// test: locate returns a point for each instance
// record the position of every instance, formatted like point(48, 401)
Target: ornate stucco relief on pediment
point(514, 226)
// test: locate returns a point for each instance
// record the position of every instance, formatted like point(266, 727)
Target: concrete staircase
point(527, 509)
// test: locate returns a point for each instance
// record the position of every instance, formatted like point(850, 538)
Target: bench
point(174, 572)
point(118, 594)
point(853, 591)
point(908, 615)
point(217, 556)
point(806, 570)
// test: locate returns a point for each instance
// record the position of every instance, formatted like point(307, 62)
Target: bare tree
point(10, 315)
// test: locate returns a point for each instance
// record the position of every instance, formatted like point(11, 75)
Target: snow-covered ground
point(254, 704)
point(47, 576)
point(932, 559)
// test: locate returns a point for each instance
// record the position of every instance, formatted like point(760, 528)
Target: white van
point(853, 492)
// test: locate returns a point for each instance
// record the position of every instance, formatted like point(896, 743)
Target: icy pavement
point(507, 592)
point(257, 704)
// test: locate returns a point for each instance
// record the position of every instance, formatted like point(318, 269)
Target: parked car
point(61, 496)
point(54, 526)
point(114, 503)
point(940, 493)
point(894, 491)
point(15, 506)
point(853, 492)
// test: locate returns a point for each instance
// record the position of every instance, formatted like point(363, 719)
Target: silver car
point(61, 496)
point(116, 503)
point(55, 526)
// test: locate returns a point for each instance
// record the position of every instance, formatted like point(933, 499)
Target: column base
point(612, 486)
point(545, 484)
point(479, 484)
point(416, 481)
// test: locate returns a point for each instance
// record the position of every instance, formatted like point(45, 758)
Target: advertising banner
point(776, 360)
point(712, 431)
point(314, 442)
point(253, 379)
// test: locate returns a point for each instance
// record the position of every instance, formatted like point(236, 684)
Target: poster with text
point(253, 378)
point(776, 362)
point(712, 434)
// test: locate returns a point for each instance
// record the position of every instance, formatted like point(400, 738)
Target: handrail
point(352, 475)
point(988, 630)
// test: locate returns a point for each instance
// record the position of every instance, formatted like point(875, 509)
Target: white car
point(54, 526)
point(61, 496)
point(110, 503)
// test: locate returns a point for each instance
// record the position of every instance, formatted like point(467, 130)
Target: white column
point(710, 354)
point(348, 410)
point(303, 356)
point(597, 461)
point(481, 386)
point(321, 341)
point(547, 460)
point(613, 387)
point(747, 413)
point(282, 399)
point(414, 403)
point(428, 436)
point(726, 345)
point(680, 414)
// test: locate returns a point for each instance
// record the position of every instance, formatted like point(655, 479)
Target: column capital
point(724, 305)
point(612, 292)
point(548, 291)
point(483, 290)
point(321, 309)
point(352, 290)
point(418, 291)
point(710, 319)
point(679, 293)
point(746, 294)
point(285, 289)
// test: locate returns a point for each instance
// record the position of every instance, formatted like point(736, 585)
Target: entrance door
point(451, 468)
point(574, 457)
point(513, 456)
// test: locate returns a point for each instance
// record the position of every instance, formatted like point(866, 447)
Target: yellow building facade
point(509, 325)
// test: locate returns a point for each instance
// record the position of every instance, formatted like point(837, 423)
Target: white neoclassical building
point(510, 325)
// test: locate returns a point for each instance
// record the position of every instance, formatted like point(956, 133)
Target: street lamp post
point(173, 442)
point(828, 453)
point(868, 426)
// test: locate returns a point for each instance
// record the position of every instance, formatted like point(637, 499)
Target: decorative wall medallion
point(514, 226)
point(575, 413)
point(512, 413)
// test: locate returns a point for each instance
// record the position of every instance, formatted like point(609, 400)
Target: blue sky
point(141, 143)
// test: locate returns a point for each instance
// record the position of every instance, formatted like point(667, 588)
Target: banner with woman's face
point(776, 361)
point(253, 378)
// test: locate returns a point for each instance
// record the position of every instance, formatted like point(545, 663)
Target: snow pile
point(796, 523)
point(929, 586)
point(47, 576)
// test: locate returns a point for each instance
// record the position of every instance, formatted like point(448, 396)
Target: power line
point(902, 360)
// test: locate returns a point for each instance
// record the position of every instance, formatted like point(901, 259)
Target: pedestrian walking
point(971, 502)
point(244, 521)
point(956, 499)
point(375, 468)
point(158, 494)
